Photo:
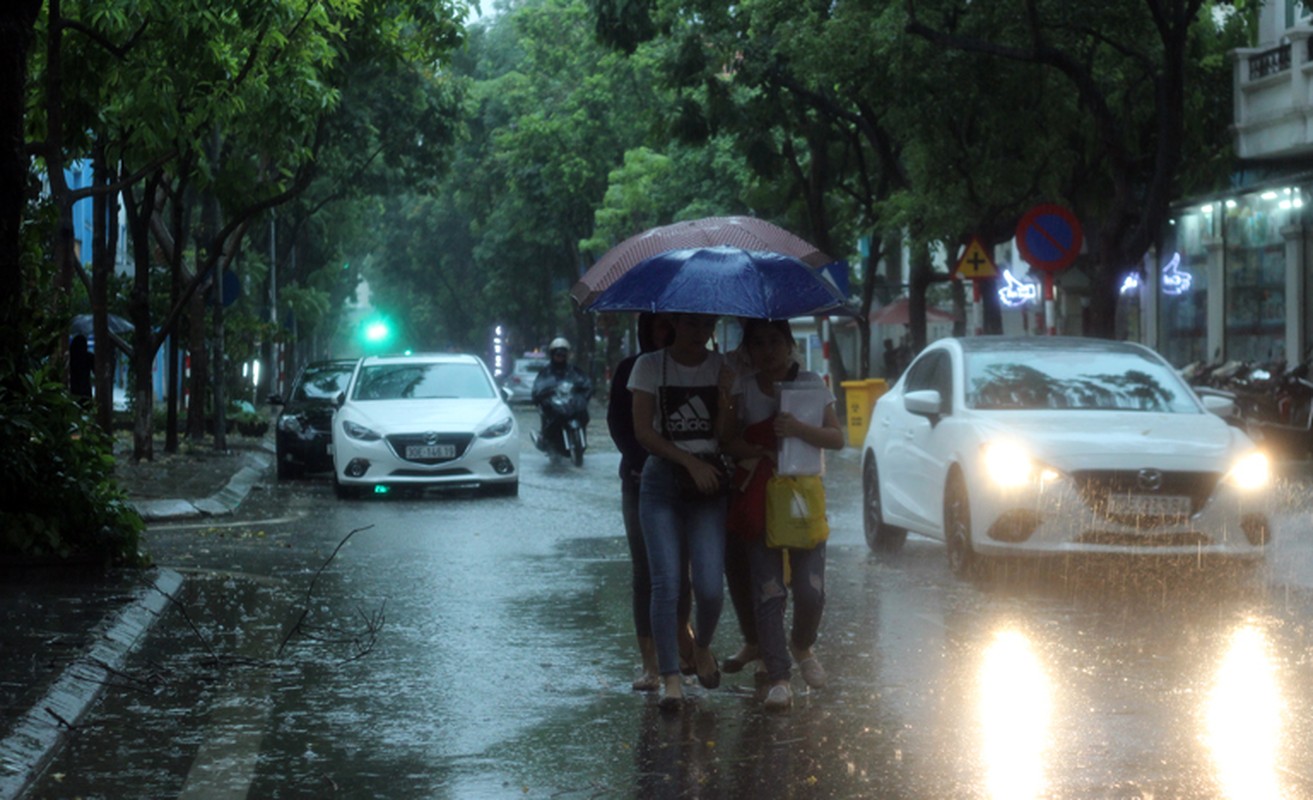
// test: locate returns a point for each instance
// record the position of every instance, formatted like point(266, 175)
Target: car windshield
point(1084, 380)
point(322, 383)
point(422, 381)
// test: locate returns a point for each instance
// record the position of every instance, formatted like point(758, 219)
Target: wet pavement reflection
point(503, 662)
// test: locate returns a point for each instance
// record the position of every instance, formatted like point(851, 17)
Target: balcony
point(1274, 98)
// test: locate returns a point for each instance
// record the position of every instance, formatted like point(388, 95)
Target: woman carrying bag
point(762, 426)
point(681, 414)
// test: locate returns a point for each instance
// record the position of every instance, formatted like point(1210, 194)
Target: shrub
point(58, 498)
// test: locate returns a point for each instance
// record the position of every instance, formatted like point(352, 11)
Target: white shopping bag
point(806, 401)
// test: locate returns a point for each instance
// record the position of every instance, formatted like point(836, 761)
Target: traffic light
point(376, 333)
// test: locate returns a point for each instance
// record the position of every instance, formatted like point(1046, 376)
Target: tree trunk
point(143, 338)
point(16, 22)
point(104, 238)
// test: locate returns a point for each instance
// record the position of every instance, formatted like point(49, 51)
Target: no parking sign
point(1049, 238)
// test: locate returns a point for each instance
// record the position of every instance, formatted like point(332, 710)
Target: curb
point(219, 504)
point(36, 738)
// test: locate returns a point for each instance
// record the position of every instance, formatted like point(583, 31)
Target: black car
point(305, 425)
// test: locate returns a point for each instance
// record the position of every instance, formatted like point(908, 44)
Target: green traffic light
point(376, 331)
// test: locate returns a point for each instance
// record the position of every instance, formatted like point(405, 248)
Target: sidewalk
point(62, 629)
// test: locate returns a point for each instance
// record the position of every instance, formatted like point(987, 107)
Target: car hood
point(401, 416)
point(1120, 440)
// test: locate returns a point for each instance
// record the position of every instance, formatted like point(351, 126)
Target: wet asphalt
point(455, 646)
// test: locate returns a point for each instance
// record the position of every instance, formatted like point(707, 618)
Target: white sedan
point(1057, 445)
point(424, 420)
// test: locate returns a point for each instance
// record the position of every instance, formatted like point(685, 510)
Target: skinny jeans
point(678, 530)
point(807, 579)
point(641, 576)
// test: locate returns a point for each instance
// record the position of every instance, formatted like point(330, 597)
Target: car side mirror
point(277, 400)
point(1219, 405)
point(340, 399)
point(925, 403)
point(507, 393)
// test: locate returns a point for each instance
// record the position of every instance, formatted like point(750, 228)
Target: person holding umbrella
point(682, 411)
point(653, 334)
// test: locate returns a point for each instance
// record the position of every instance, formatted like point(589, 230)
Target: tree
point(1134, 70)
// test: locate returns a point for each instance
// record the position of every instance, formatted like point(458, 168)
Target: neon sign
point(1174, 281)
point(1016, 293)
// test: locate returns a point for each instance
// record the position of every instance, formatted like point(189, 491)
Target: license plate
point(1149, 505)
point(431, 451)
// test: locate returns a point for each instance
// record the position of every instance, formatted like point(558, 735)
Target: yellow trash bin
point(860, 397)
point(858, 403)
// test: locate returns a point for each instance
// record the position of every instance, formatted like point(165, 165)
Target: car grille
point(1122, 539)
point(1095, 486)
point(400, 441)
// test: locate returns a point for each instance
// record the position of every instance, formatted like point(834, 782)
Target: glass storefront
point(1255, 272)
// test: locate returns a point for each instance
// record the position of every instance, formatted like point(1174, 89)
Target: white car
point(424, 420)
point(1056, 445)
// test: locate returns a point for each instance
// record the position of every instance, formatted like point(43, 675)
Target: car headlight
point(498, 429)
point(357, 431)
point(1251, 471)
point(291, 423)
point(1009, 465)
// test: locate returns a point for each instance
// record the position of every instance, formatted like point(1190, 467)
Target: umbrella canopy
point(898, 313)
point(747, 233)
point(723, 281)
point(82, 323)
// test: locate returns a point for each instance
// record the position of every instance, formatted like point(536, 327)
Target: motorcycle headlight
point(497, 429)
point(357, 431)
point(1009, 465)
point(291, 423)
point(1251, 471)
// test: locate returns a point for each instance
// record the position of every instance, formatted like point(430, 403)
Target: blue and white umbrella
point(725, 281)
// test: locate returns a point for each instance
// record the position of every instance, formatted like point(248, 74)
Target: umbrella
point(748, 233)
point(82, 324)
point(723, 281)
point(898, 313)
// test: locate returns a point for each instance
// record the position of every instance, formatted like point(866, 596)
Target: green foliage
point(59, 498)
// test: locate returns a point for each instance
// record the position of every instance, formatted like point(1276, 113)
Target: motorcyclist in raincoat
point(557, 407)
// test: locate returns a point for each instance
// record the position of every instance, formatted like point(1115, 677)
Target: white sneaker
point(779, 698)
point(812, 672)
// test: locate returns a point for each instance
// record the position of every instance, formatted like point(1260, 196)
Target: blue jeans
point(807, 579)
point(680, 531)
point(642, 576)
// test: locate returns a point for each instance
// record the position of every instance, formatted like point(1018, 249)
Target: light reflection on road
point(1243, 718)
point(1015, 704)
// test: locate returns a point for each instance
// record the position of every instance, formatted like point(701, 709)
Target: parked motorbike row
point(1273, 402)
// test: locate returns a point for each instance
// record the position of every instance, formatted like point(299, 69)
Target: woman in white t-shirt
point(769, 345)
point(682, 411)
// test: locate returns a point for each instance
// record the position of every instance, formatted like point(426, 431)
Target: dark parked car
point(305, 424)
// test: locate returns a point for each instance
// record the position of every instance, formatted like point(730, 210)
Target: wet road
point(466, 647)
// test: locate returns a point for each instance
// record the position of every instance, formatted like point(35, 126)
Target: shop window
point(1255, 271)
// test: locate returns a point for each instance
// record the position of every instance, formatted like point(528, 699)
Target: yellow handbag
point(795, 512)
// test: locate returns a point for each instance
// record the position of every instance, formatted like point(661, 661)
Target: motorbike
point(564, 412)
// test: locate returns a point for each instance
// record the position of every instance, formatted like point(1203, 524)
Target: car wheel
point(343, 491)
point(962, 558)
point(880, 537)
point(511, 489)
point(288, 470)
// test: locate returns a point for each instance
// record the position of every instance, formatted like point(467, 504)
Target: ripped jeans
point(770, 595)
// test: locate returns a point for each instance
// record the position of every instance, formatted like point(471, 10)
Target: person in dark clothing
point(81, 364)
point(653, 334)
point(559, 369)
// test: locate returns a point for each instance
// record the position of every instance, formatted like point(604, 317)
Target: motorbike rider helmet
point(559, 343)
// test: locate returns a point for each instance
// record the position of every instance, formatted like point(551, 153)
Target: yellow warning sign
point(975, 262)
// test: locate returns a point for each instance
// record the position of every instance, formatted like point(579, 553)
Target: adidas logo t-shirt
point(686, 405)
